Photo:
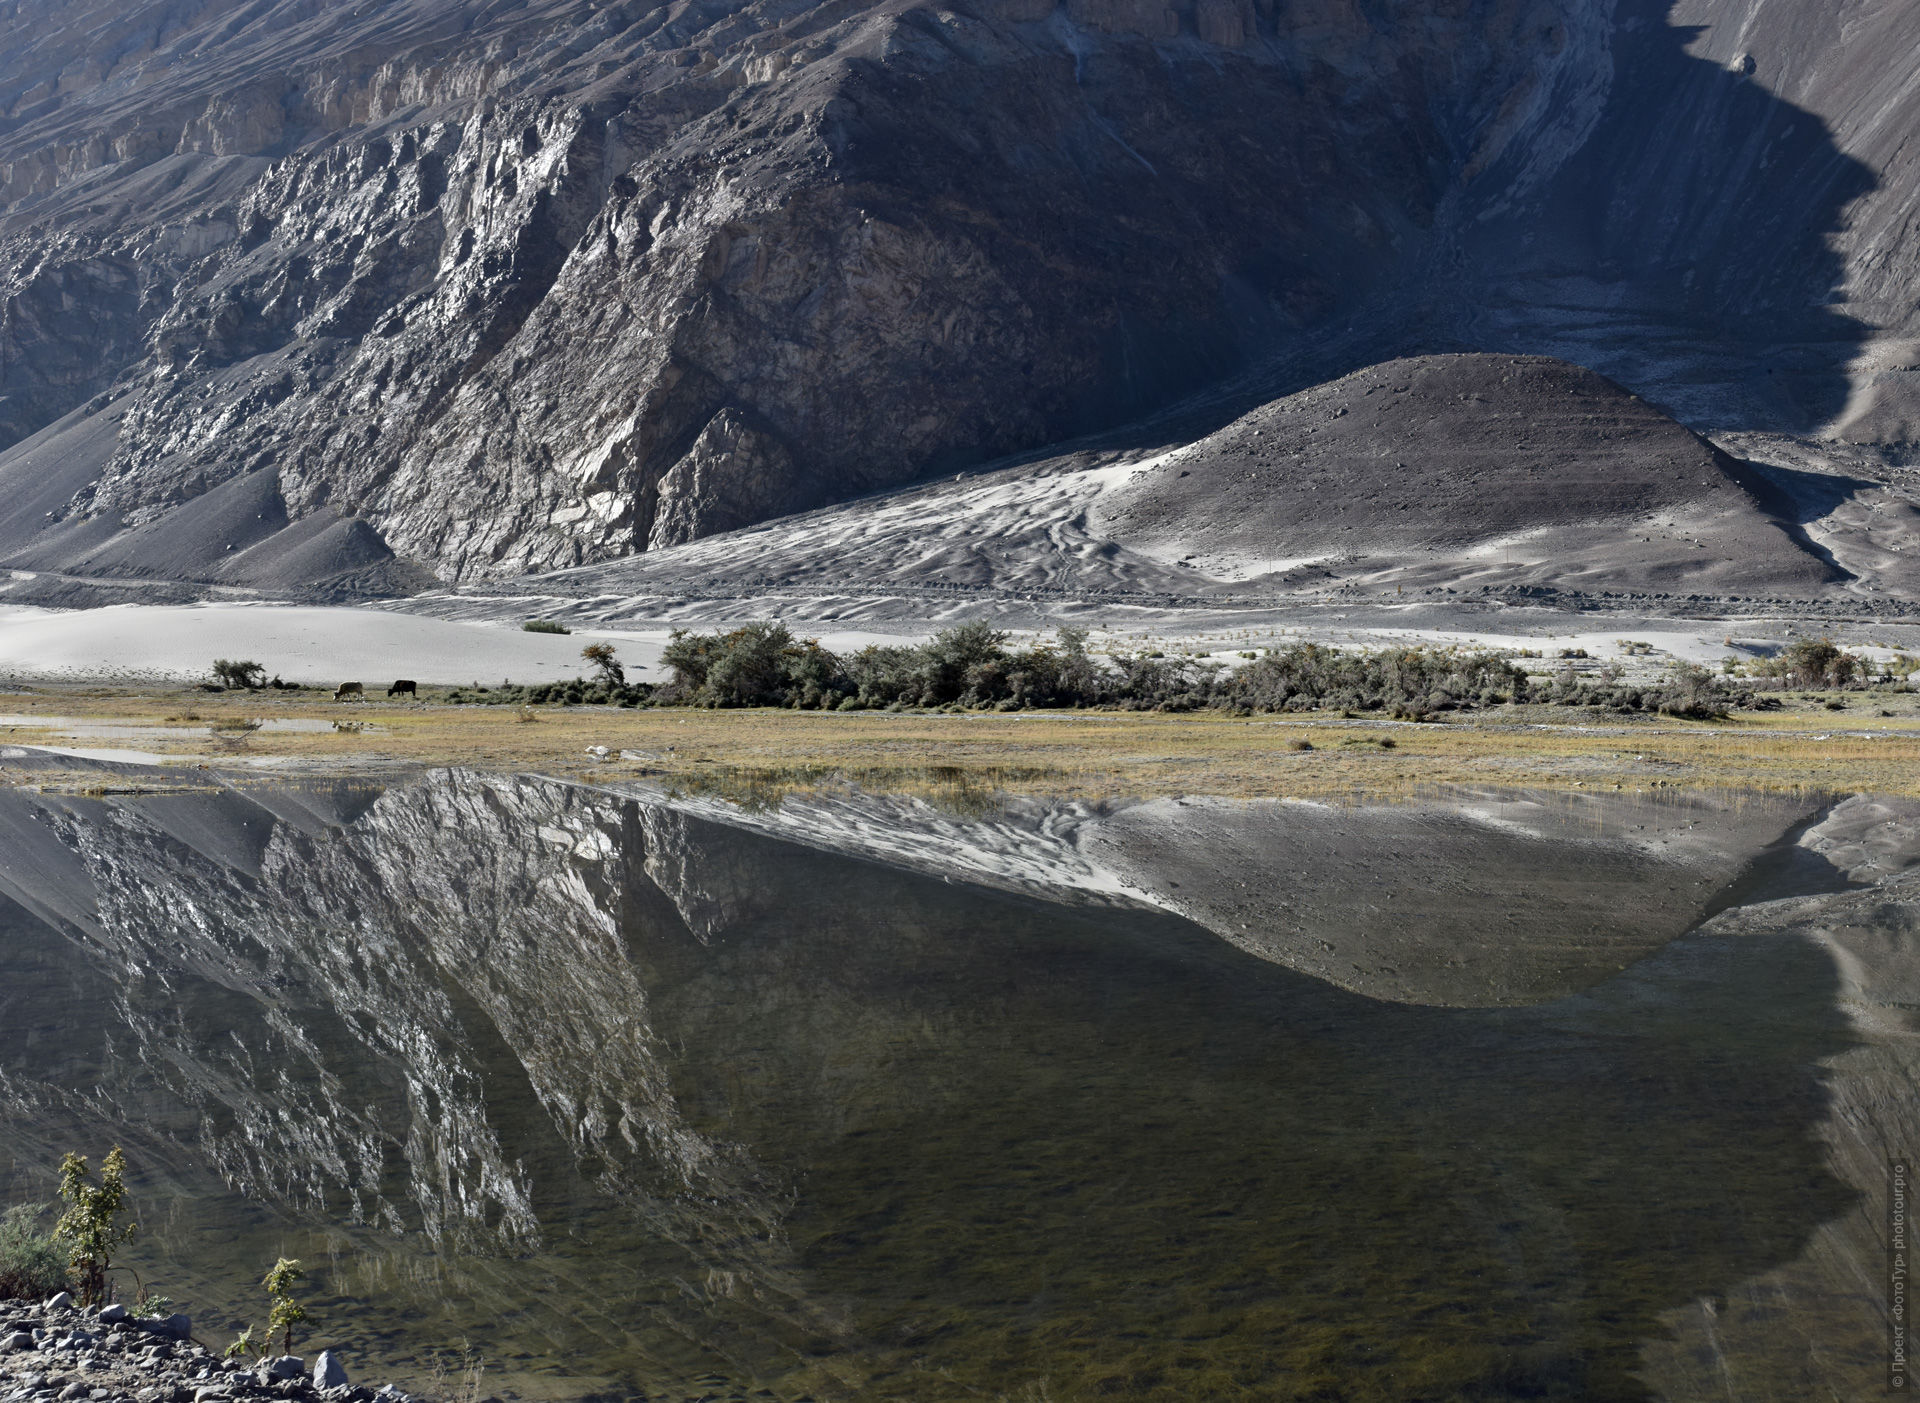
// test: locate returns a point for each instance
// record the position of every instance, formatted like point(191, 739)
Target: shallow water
point(230, 738)
point(642, 1104)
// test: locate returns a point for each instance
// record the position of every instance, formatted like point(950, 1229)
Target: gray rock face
point(328, 298)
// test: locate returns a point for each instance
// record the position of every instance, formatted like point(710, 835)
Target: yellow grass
point(1090, 754)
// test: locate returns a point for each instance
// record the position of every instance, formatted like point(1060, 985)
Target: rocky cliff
point(292, 293)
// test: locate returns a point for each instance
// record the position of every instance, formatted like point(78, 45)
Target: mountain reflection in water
point(626, 1097)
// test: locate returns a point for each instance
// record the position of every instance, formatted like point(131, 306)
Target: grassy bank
point(1804, 745)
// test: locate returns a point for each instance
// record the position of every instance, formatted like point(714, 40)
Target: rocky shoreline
point(59, 1351)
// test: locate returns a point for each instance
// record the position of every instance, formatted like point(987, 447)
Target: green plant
point(543, 626)
point(242, 1346)
point(153, 1307)
point(602, 658)
point(32, 1266)
point(286, 1312)
point(247, 675)
point(1815, 662)
point(90, 1226)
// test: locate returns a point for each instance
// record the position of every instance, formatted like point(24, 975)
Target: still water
point(630, 1102)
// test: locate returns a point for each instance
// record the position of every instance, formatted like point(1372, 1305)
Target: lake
point(629, 1095)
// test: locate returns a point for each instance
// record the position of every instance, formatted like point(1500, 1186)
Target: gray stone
point(19, 1339)
point(286, 1366)
point(327, 1372)
point(113, 1314)
point(60, 1301)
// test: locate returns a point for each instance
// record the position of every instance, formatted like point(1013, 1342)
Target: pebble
point(131, 1360)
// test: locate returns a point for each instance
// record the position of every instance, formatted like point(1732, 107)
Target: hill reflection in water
point(626, 1097)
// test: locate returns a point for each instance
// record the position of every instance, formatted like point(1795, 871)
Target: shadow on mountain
point(1799, 496)
point(800, 1113)
point(1686, 248)
point(1683, 250)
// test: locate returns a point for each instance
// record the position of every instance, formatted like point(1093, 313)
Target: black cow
point(404, 685)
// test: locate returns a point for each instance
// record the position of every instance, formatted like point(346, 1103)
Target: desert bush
point(239, 674)
point(1812, 662)
point(1416, 681)
point(506, 694)
point(757, 664)
point(603, 661)
point(1684, 690)
point(972, 666)
point(543, 626)
point(1692, 692)
point(750, 666)
point(582, 691)
point(32, 1264)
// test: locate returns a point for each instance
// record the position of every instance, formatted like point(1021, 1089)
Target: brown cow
point(348, 689)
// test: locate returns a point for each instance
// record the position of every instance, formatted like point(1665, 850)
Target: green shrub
point(970, 665)
point(285, 1312)
point(90, 1227)
point(1691, 692)
point(543, 626)
point(32, 1264)
point(604, 662)
point(1414, 680)
point(1812, 662)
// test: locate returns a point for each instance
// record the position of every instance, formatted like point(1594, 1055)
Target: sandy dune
point(312, 645)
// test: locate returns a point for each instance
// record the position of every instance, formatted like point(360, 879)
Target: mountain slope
point(484, 288)
point(1523, 476)
point(1431, 467)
